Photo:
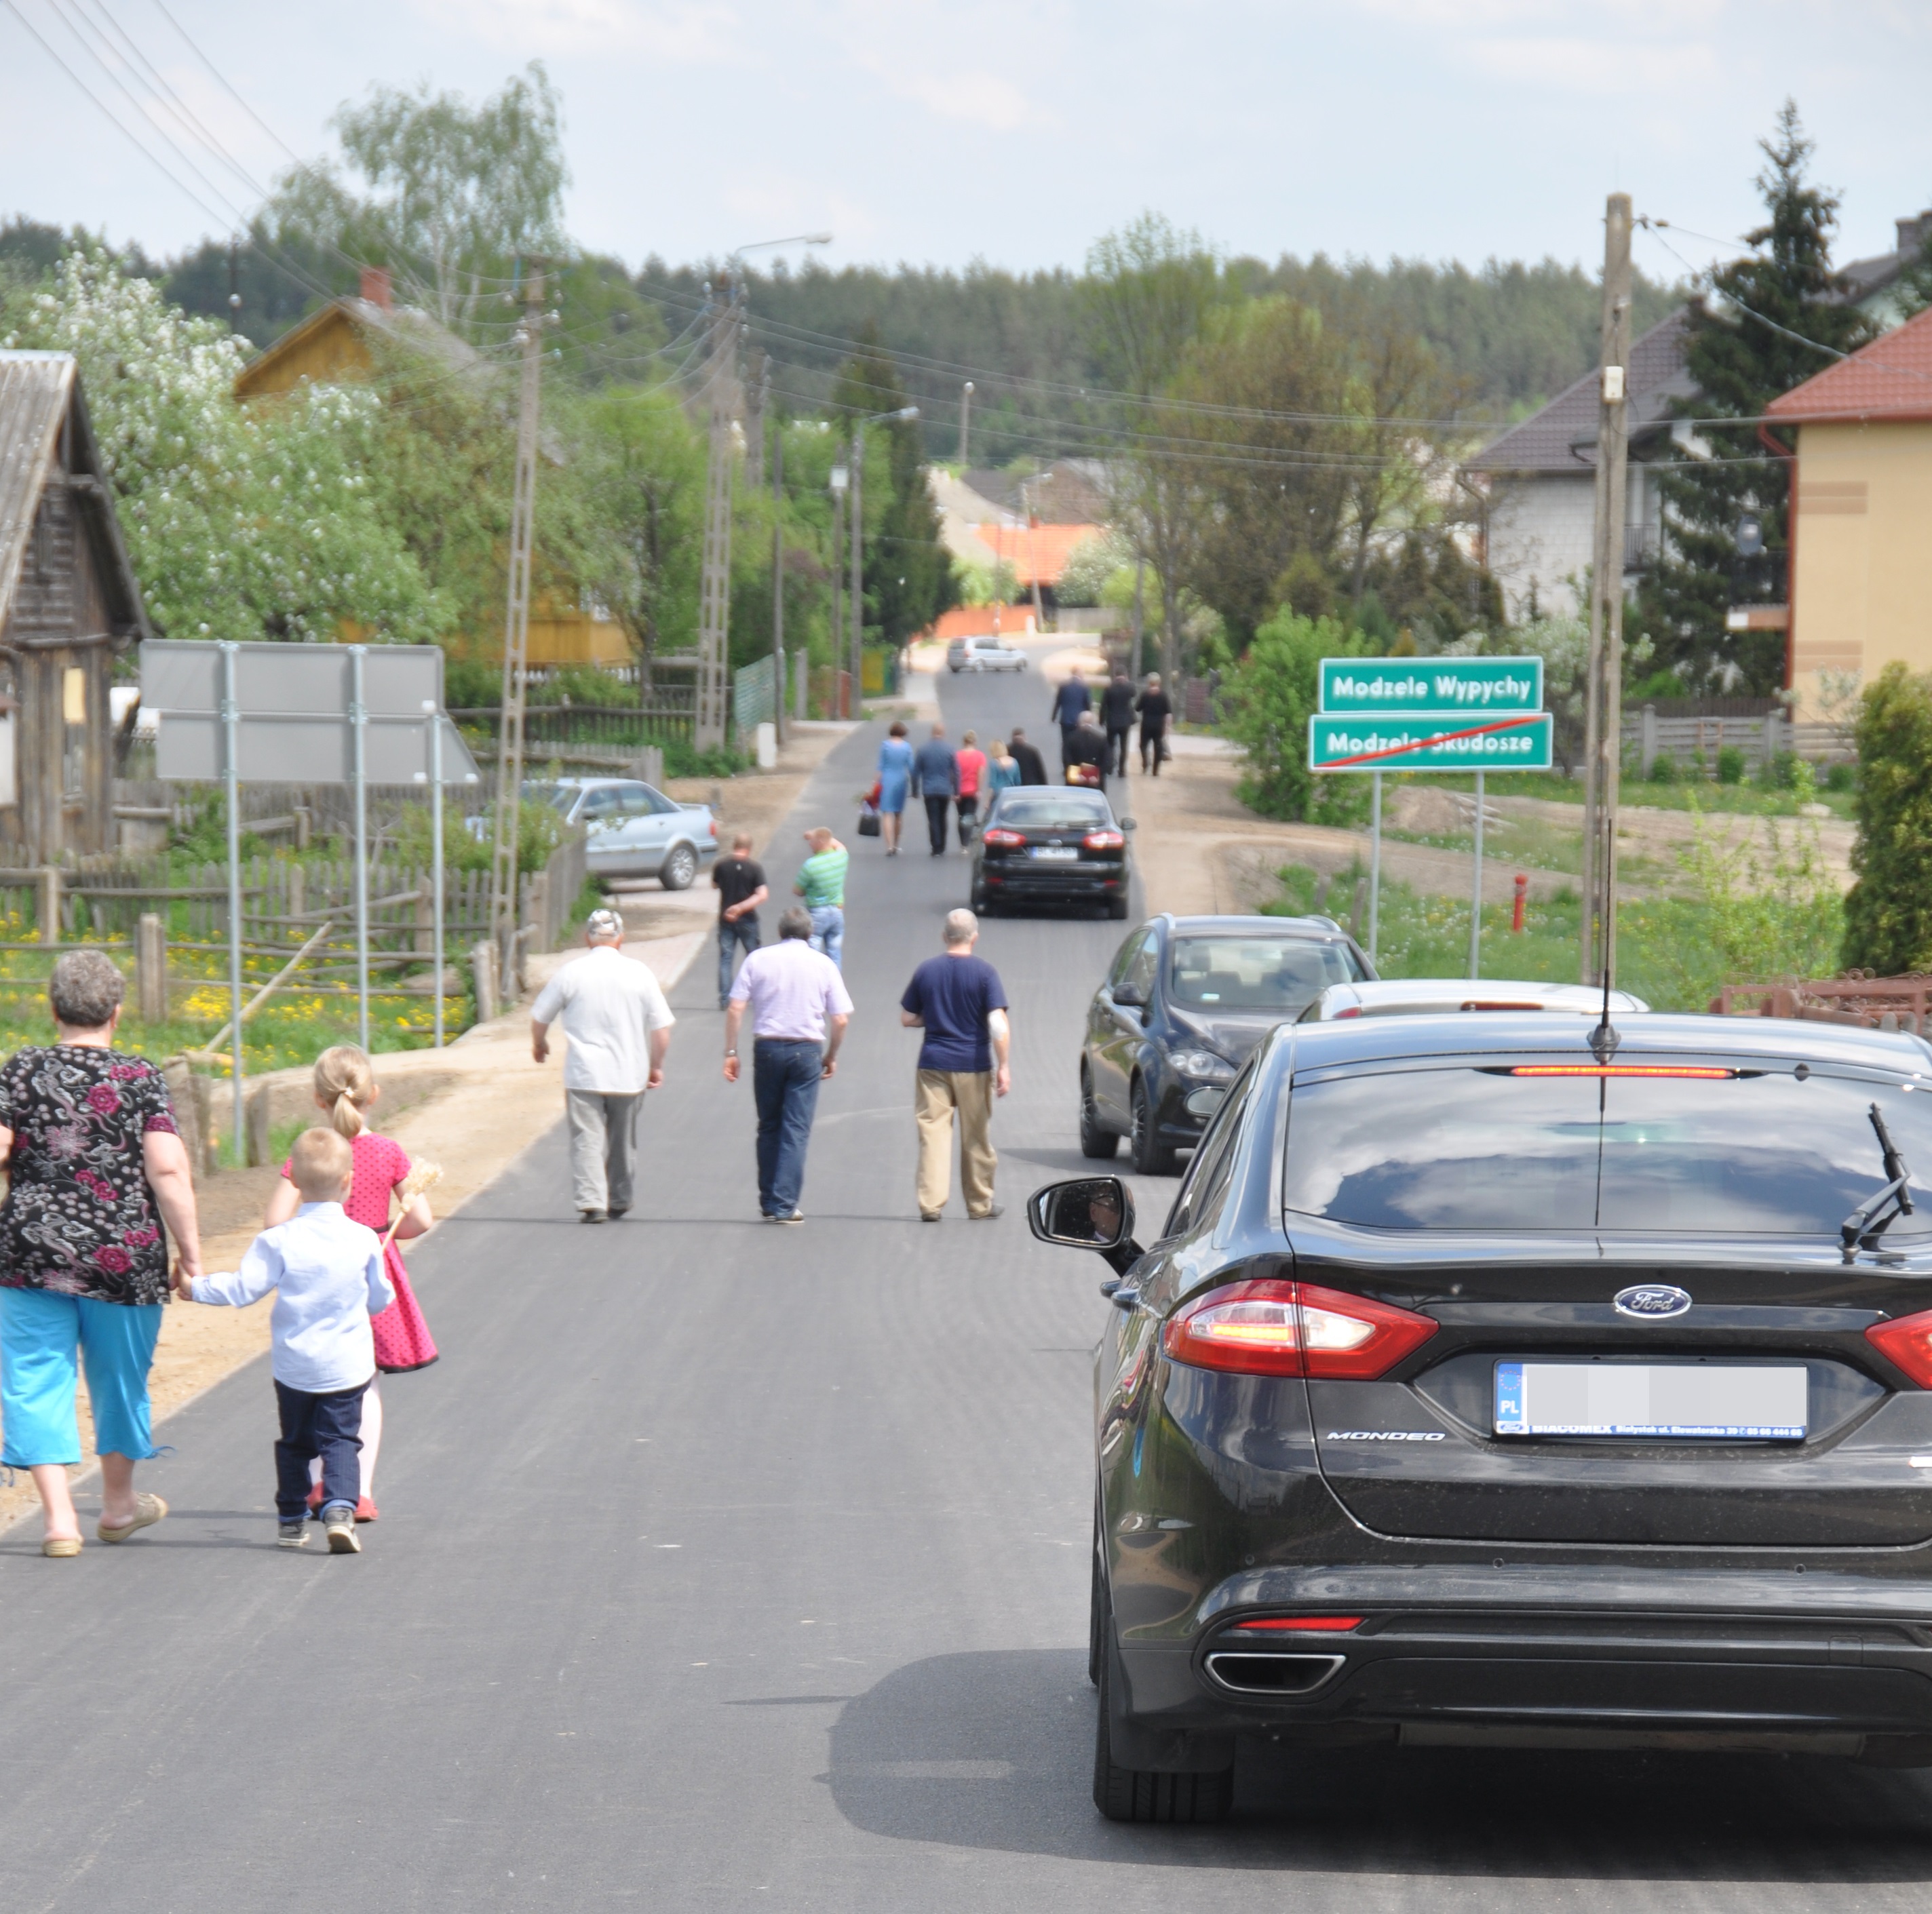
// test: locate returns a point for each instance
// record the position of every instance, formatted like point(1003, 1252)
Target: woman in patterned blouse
point(96, 1165)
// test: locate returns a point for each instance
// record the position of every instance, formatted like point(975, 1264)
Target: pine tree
point(1740, 360)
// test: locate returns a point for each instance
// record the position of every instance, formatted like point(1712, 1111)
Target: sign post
point(1404, 714)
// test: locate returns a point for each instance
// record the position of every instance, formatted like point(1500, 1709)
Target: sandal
point(61, 1545)
point(148, 1509)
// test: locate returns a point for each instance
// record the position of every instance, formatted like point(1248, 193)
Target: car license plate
point(1053, 853)
point(1673, 1401)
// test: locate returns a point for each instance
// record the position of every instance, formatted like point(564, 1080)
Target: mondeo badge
point(1652, 1301)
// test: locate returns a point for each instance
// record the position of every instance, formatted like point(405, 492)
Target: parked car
point(632, 829)
point(1050, 844)
point(1483, 1387)
point(1429, 997)
point(1181, 1008)
point(983, 655)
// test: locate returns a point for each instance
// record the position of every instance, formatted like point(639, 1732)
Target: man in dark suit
point(1088, 745)
point(1070, 703)
point(1032, 766)
point(1117, 715)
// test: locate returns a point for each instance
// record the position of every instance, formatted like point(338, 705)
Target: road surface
point(724, 1566)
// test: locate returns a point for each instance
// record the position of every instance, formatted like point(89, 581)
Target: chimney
point(1913, 235)
point(376, 286)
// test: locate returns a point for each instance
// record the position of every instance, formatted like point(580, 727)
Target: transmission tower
point(714, 604)
point(503, 898)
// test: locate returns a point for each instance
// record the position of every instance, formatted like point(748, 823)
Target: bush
point(1889, 912)
point(1779, 771)
point(1842, 778)
point(470, 684)
point(1730, 765)
point(1266, 702)
point(1663, 769)
point(682, 759)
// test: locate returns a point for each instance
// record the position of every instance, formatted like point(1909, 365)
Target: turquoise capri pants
point(39, 1333)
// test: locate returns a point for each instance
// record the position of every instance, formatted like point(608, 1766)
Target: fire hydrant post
point(1522, 892)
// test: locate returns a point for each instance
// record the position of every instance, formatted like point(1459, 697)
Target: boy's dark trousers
point(330, 1427)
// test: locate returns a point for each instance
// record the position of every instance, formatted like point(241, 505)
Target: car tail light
point(714, 827)
point(1006, 840)
point(1272, 1328)
point(1309, 1624)
point(1103, 840)
point(1353, 1010)
point(1906, 1343)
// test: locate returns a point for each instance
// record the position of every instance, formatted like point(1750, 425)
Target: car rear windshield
point(559, 797)
point(1767, 1151)
point(1281, 975)
point(1058, 812)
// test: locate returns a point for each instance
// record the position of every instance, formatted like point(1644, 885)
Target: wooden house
point(69, 603)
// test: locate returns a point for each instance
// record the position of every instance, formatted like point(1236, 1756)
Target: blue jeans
point(741, 930)
point(828, 930)
point(785, 1081)
point(330, 1427)
point(39, 1333)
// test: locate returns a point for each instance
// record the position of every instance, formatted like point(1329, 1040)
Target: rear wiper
point(1869, 1221)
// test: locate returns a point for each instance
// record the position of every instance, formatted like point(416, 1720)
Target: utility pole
point(714, 601)
point(857, 591)
point(503, 899)
point(1603, 742)
point(965, 422)
point(778, 578)
point(1140, 613)
point(841, 478)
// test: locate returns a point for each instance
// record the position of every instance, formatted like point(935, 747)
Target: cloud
point(979, 98)
point(1624, 68)
point(682, 32)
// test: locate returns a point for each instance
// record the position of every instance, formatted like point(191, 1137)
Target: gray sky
point(1016, 132)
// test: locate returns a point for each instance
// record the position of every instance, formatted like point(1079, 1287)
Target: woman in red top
point(345, 1086)
point(972, 763)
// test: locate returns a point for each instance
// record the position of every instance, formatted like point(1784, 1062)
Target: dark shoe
point(987, 1216)
point(343, 1539)
point(591, 1216)
point(291, 1535)
point(365, 1510)
point(614, 1213)
point(928, 1216)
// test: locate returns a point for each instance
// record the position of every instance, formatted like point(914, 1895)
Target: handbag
point(869, 819)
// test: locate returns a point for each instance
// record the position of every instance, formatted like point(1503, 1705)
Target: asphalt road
point(725, 1566)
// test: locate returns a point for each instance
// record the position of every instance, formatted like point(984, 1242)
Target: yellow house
point(331, 346)
point(1861, 514)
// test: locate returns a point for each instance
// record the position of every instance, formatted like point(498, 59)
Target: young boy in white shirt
point(327, 1273)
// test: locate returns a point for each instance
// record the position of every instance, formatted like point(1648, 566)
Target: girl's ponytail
point(345, 1084)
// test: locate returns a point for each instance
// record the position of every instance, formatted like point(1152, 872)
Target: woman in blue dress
point(894, 780)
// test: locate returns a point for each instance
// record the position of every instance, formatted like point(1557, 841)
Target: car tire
point(1151, 1157)
point(1096, 1141)
point(1097, 1610)
point(679, 867)
point(1117, 909)
point(1138, 1794)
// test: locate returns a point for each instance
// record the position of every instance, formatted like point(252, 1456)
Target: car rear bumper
point(1021, 879)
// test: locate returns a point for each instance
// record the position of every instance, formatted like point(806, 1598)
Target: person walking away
point(1116, 717)
point(345, 1087)
point(327, 1273)
point(935, 777)
point(619, 1026)
point(895, 781)
point(1002, 771)
point(1070, 703)
point(959, 1002)
point(95, 1167)
point(739, 882)
point(1155, 709)
point(799, 1010)
point(972, 763)
point(1087, 750)
point(821, 883)
point(1032, 766)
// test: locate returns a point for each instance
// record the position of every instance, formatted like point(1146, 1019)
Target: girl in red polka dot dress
point(345, 1087)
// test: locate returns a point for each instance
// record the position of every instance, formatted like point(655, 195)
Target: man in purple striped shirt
point(796, 995)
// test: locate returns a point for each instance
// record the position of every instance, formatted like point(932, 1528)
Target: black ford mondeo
point(1493, 1382)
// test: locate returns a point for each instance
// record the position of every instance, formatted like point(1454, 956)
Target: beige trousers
point(939, 1094)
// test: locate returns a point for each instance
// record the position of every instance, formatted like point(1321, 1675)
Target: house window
point(73, 717)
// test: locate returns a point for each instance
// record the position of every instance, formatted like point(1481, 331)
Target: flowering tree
point(241, 524)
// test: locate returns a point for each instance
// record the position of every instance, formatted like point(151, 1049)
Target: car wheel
point(1117, 909)
point(1151, 1157)
point(1138, 1794)
point(679, 867)
point(1096, 1140)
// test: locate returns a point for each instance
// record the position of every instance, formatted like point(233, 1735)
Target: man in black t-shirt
point(1156, 710)
point(739, 882)
point(1032, 766)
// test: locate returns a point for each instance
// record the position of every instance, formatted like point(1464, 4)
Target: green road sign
point(1437, 741)
point(1399, 686)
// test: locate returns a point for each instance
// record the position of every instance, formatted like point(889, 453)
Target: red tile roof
point(1041, 549)
point(1891, 378)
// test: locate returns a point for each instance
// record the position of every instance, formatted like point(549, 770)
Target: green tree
point(1746, 346)
point(1266, 703)
point(1888, 910)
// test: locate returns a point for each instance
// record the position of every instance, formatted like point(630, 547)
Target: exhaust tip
point(1273, 1674)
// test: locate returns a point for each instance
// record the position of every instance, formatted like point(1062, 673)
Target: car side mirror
point(1130, 996)
point(1090, 1213)
point(1128, 824)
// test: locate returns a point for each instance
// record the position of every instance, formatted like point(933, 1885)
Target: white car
point(1435, 997)
point(632, 829)
point(983, 655)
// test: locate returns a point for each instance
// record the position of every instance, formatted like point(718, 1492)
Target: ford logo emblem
point(1652, 1301)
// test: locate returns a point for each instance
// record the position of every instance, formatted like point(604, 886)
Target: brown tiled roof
point(1562, 437)
point(1891, 378)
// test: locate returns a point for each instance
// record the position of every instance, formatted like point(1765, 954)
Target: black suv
point(1497, 1381)
point(1182, 1006)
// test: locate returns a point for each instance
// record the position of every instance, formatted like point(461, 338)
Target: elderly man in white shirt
point(619, 1025)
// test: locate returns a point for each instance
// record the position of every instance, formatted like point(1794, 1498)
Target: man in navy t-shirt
point(958, 1001)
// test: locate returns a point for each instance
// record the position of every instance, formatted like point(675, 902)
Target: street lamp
point(903, 412)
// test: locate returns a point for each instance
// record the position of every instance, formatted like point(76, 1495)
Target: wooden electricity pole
point(503, 899)
point(714, 601)
point(1603, 737)
point(777, 580)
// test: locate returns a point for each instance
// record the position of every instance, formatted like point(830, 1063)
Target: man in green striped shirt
point(821, 883)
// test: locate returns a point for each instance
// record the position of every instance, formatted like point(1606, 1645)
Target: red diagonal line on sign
point(1433, 739)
